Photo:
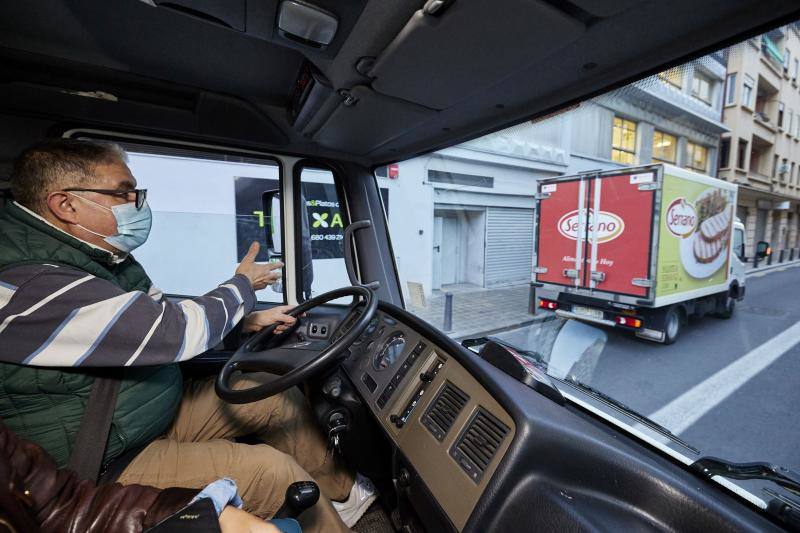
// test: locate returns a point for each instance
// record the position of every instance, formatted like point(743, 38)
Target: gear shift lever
point(300, 495)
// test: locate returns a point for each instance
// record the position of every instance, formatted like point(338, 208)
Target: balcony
point(763, 128)
point(759, 177)
point(763, 118)
point(772, 54)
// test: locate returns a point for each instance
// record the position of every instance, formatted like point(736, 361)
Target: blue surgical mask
point(133, 225)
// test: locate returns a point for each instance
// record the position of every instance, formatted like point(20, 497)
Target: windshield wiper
point(713, 466)
point(616, 404)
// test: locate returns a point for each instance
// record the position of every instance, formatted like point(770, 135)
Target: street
point(731, 388)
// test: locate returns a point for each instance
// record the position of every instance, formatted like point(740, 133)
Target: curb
point(771, 267)
point(459, 336)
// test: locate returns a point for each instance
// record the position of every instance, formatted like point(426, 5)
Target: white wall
point(412, 199)
point(411, 222)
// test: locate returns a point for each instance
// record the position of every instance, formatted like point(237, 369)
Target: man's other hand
point(257, 320)
point(259, 274)
point(233, 520)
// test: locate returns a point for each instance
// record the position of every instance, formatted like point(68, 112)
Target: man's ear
point(60, 206)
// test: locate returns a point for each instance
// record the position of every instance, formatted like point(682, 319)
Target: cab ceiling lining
point(343, 130)
point(130, 36)
point(613, 51)
point(438, 61)
point(134, 42)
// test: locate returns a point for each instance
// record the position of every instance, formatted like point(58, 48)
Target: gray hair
point(56, 164)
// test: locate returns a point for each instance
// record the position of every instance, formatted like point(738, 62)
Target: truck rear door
point(561, 231)
point(620, 232)
point(595, 231)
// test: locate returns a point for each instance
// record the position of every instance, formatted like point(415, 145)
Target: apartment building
point(761, 152)
point(674, 117)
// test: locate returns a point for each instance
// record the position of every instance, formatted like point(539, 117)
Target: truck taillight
point(628, 321)
point(548, 304)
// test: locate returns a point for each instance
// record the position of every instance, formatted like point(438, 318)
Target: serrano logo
point(681, 217)
point(609, 225)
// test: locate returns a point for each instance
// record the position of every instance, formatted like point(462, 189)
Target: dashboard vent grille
point(478, 444)
point(444, 410)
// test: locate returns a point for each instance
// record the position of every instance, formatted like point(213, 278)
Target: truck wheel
point(673, 324)
point(726, 304)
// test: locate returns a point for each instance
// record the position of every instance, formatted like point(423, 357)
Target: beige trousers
point(199, 449)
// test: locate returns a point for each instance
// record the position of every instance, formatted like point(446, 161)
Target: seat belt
point(90, 442)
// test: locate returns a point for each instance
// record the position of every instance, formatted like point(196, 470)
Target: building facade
point(674, 118)
point(468, 211)
point(761, 152)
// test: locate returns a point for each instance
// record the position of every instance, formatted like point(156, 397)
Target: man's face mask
point(133, 225)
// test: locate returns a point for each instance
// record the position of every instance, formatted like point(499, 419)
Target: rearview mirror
point(763, 249)
point(271, 205)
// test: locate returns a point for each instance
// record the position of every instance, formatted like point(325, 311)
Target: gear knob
point(300, 495)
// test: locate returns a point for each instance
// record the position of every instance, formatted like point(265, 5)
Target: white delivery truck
point(639, 248)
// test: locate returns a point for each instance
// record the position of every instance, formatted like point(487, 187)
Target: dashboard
point(483, 451)
point(438, 415)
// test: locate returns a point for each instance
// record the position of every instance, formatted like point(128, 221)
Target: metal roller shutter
point(509, 246)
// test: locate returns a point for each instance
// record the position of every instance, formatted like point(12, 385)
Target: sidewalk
point(764, 267)
point(477, 311)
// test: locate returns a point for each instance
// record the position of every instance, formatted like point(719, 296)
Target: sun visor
point(233, 118)
point(438, 60)
point(365, 120)
point(230, 14)
point(605, 8)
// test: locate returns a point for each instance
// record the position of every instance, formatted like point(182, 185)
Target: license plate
point(587, 311)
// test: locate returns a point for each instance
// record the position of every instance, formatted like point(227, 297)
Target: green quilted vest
point(46, 405)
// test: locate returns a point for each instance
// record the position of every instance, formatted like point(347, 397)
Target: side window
point(323, 220)
point(207, 209)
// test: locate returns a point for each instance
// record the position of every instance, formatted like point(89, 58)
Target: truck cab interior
point(456, 439)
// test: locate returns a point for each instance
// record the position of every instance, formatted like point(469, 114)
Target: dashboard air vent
point(444, 410)
point(478, 444)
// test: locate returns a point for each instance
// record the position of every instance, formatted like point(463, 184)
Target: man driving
point(74, 301)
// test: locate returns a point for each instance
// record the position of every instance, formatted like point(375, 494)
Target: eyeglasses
point(140, 195)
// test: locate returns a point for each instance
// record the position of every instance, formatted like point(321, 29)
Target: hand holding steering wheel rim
point(247, 356)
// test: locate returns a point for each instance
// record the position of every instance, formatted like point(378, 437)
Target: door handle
point(598, 276)
point(437, 248)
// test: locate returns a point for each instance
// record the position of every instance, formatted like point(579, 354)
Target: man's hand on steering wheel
point(293, 362)
point(258, 320)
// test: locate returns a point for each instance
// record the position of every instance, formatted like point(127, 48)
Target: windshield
point(641, 247)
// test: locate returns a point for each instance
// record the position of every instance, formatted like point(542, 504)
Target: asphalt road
point(729, 387)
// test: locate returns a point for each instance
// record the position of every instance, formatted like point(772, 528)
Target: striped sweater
point(59, 316)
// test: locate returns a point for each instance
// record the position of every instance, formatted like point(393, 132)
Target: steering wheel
point(295, 362)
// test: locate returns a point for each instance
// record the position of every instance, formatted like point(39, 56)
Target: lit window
point(623, 142)
point(665, 147)
point(696, 157)
point(673, 76)
point(701, 87)
point(730, 89)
